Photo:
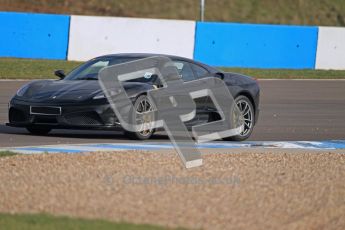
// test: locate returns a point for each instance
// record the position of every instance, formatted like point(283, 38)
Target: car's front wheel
point(246, 108)
point(141, 105)
point(38, 130)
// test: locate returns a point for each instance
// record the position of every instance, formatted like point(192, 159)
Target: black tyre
point(142, 104)
point(247, 110)
point(38, 130)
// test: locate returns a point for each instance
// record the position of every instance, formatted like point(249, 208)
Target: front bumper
point(73, 116)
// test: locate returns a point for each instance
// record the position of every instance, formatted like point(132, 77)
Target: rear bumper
point(257, 114)
point(257, 104)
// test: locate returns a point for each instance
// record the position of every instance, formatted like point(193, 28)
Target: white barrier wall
point(331, 48)
point(95, 36)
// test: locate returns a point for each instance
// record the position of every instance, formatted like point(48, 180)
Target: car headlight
point(99, 96)
point(22, 90)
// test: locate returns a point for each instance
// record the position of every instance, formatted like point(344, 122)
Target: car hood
point(66, 91)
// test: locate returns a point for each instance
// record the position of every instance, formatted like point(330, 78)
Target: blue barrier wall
point(26, 35)
point(46, 36)
point(257, 46)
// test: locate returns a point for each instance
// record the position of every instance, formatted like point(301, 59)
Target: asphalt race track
point(291, 110)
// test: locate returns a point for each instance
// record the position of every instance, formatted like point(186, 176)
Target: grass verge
point(48, 222)
point(7, 153)
point(14, 68)
point(289, 74)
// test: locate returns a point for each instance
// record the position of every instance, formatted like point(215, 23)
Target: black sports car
point(76, 101)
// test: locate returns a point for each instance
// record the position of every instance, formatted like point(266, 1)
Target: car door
point(204, 112)
point(187, 73)
point(209, 106)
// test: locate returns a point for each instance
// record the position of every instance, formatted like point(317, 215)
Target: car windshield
point(90, 69)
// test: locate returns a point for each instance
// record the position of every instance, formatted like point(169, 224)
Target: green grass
point(7, 154)
point(302, 12)
point(48, 222)
point(11, 68)
point(289, 74)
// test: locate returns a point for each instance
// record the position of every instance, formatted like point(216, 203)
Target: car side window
point(185, 70)
point(199, 71)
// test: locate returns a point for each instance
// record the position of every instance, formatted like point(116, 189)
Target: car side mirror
point(60, 73)
point(219, 75)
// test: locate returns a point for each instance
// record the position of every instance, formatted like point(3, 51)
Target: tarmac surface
point(294, 110)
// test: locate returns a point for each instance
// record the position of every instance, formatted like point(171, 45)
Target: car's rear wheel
point(246, 108)
point(141, 105)
point(38, 130)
